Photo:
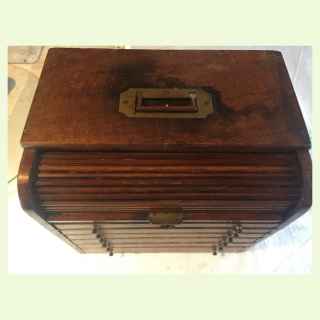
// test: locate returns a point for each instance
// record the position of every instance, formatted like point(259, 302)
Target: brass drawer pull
point(166, 218)
point(166, 103)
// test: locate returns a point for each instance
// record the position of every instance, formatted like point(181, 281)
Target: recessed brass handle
point(166, 218)
point(166, 103)
point(184, 103)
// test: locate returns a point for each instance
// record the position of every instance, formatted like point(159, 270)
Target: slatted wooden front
point(115, 192)
point(141, 236)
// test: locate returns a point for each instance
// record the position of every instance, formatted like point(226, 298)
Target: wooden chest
point(163, 150)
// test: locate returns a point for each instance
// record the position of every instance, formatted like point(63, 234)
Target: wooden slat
point(147, 204)
point(175, 245)
point(81, 242)
point(70, 232)
point(70, 190)
point(160, 250)
point(161, 181)
point(185, 241)
point(131, 235)
point(100, 198)
point(123, 156)
point(165, 169)
point(156, 228)
point(173, 250)
point(147, 224)
point(206, 204)
point(185, 221)
point(75, 237)
point(144, 175)
point(148, 235)
point(85, 216)
point(177, 231)
point(95, 250)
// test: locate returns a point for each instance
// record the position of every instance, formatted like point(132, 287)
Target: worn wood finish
point(76, 106)
point(93, 176)
point(28, 200)
point(108, 195)
point(305, 199)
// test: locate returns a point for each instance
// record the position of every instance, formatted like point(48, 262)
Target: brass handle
point(165, 103)
point(166, 218)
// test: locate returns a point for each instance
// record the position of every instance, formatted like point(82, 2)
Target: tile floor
point(33, 250)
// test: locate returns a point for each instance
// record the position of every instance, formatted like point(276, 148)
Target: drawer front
point(188, 236)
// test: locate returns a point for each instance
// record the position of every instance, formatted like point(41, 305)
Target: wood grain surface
point(76, 102)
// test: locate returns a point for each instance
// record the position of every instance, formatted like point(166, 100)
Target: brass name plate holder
point(165, 103)
point(166, 218)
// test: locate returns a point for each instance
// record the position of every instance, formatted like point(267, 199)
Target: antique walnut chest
point(164, 151)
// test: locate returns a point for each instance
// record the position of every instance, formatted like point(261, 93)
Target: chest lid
point(252, 102)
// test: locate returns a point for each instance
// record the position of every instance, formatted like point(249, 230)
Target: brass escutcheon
point(166, 218)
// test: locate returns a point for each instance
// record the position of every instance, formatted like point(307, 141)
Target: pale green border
point(159, 23)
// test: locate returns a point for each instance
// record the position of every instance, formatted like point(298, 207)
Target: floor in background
point(34, 250)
